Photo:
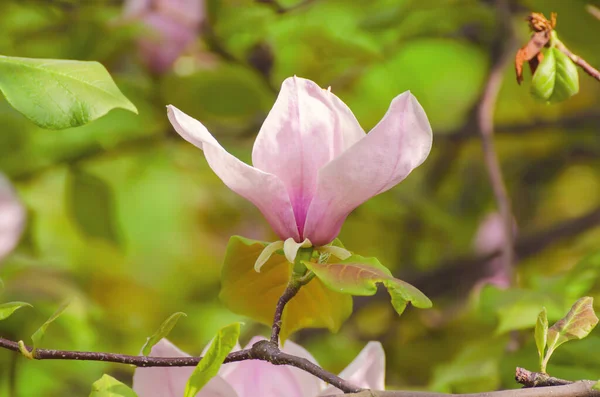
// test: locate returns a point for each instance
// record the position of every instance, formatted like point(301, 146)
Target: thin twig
point(501, 56)
point(290, 291)
point(464, 271)
point(577, 60)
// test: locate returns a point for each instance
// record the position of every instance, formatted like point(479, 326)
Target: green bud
point(556, 78)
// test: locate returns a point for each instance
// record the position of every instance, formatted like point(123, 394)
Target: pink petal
point(12, 218)
point(258, 378)
point(398, 144)
point(171, 381)
point(367, 370)
point(264, 190)
point(307, 127)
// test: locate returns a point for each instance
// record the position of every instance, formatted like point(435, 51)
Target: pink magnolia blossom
point(172, 26)
point(253, 378)
point(12, 218)
point(313, 163)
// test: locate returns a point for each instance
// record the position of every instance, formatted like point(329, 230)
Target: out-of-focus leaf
point(91, 203)
point(6, 309)
point(596, 386)
point(59, 94)
point(208, 367)
point(474, 369)
point(556, 78)
point(541, 333)
point(358, 275)
point(577, 324)
point(107, 386)
point(255, 295)
point(162, 332)
point(38, 335)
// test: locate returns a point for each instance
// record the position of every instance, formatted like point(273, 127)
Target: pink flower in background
point(254, 378)
point(172, 26)
point(12, 218)
point(313, 163)
point(490, 238)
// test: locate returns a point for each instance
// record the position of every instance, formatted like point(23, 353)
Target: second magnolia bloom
point(255, 378)
point(313, 163)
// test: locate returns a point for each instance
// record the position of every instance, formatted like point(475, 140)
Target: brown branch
point(262, 350)
point(576, 389)
point(538, 379)
point(577, 60)
point(501, 56)
point(290, 291)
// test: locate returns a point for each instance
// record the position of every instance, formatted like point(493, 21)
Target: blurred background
point(128, 218)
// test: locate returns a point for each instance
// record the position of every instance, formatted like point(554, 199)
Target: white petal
point(338, 252)
point(266, 254)
point(290, 248)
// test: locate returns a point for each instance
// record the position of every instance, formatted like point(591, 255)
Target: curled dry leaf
point(530, 52)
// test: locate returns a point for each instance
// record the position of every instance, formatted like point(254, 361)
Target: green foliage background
point(129, 219)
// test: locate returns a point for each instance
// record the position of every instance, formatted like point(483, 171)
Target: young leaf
point(596, 386)
point(358, 275)
point(39, 334)
point(161, 332)
point(556, 78)
point(57, 94)
point(541, 334)
point(6, 309)
point(255, 295)
point(107, 386)
point(91, 203)
point(208, 367)
point(577, 324)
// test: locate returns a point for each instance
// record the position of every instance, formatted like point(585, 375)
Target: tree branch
point(290, 291)
point(538, 379)
point(576, 389)
point(464, 271)
point(262, 350)
point(501, 55)
point(577, 60)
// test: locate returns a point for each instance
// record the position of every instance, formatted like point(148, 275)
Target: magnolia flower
point(313, 163)
point(12, 218)
point(253, 378)
point(173, 26)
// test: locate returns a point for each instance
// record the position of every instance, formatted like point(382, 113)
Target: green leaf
point(556, 78)
point(541, 334)
point(596, 386)
point(57, 94)
point(255, 295)
point(164, 330)
point(358, 275)
point(107, 386)
point(39, 334)
point(7, 309)
point(91, 203)
point(577, 324)
point(208, 367)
